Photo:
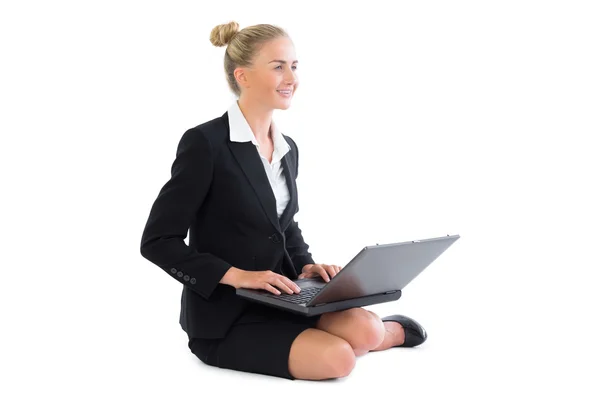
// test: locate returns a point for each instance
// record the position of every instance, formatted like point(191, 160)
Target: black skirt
point(258, 342)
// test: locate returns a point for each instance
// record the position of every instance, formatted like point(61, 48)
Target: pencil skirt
point(259, 342)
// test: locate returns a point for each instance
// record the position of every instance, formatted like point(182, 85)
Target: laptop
point(377, 274)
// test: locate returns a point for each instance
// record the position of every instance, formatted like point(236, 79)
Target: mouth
point(285, 93)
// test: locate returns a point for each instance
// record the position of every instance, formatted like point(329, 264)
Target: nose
point(290, 77)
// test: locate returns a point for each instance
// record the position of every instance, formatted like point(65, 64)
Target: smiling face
point(271, 81)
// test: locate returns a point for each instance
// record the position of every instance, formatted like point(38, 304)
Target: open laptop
point(377, 274)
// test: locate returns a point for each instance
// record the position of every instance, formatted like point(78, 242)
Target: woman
point(233, 185)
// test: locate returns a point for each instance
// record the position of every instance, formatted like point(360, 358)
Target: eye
point(293, 66)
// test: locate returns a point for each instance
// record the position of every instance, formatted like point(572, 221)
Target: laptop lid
point(382, 268)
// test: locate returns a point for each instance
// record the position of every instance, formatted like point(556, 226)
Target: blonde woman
point(233, 185)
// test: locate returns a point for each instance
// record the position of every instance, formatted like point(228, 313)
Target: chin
point(283, 105)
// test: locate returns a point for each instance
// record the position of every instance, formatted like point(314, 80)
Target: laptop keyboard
point(297, 298)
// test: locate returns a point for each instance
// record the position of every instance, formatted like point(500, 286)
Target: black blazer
point(219, 191)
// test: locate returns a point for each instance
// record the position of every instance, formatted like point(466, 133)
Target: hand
point(266, 280)
point(322, 270)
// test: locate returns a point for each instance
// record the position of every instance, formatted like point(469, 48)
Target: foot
point(396, 335)
point(414, 333)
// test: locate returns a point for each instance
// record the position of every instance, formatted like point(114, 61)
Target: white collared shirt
point(240, 131)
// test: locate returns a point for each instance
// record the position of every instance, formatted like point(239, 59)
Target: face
point(273, 72)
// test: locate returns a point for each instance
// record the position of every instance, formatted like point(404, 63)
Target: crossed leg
point(362, 329)
point(329, 350)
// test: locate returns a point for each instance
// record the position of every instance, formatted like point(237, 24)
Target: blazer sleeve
point(172, 214)
point(295, 244)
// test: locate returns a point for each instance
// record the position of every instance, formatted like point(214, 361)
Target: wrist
point(231, 277)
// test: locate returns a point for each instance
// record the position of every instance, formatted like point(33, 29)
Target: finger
point(283, 285)
point(291, 284)
point(323, 273)
point(306, 269)
point(269, 288)
point(331, 270)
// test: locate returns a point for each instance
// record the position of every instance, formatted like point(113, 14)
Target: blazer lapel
point(290, 209)
point(251, 164)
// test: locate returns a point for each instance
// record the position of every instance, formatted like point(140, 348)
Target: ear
point(241, 77)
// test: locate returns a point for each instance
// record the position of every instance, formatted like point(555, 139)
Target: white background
point(413, 120)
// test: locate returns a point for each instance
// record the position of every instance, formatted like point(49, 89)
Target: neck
point(257, 117)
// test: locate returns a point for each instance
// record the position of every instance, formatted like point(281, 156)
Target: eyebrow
point(282, 61)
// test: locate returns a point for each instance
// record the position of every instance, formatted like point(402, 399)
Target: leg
point(317, 355)
point(394, 335)
point(363, 329)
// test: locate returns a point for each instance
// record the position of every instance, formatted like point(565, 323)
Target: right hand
point(266, 280)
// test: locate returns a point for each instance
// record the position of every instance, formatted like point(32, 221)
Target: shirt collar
point(240, 131)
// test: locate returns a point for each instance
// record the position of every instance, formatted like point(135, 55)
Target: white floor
point(482, 344)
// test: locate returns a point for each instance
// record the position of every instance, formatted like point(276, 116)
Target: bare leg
point(394, 336)
point(362, 329)
point(317, 355)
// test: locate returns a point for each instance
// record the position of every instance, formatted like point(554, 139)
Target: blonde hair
point(242, 46)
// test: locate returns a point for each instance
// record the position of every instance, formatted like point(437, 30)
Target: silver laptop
point(377, 274)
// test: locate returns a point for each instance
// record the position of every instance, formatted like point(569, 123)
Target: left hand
point(322, 270)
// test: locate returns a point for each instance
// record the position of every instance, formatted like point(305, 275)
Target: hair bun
point(222, 34)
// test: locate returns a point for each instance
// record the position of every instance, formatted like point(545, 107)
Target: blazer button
point(173, 270)
point(193, 280)
point(275, 238)
point(186, 278)
point(180, 274)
